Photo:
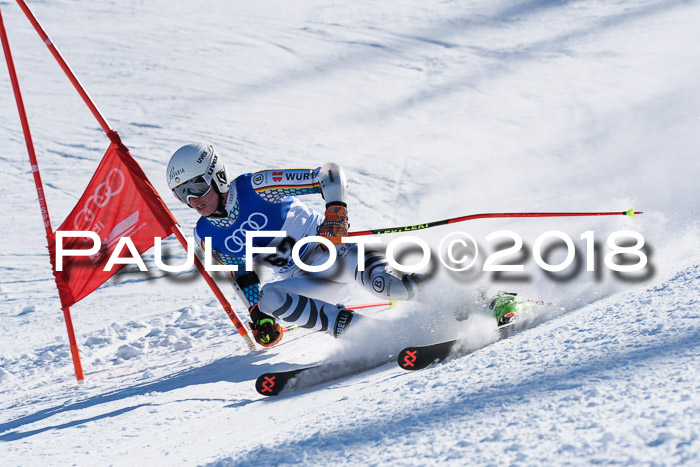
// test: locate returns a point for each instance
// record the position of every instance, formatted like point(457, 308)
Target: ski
point(422, 356)
point(273, 383)
point(410, 358)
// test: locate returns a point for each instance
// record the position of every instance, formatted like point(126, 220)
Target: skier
point(267, 201)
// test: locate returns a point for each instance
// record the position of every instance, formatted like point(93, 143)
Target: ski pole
point(454, 220)
point(390, 304)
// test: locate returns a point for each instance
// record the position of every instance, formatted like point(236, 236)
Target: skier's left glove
point(335, 222)
point(265, 331)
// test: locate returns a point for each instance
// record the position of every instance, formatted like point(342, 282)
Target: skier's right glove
point(335, 223)
point(265, 331)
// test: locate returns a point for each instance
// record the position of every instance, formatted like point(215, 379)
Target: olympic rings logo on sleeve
point(112, 186)
point(256, 221)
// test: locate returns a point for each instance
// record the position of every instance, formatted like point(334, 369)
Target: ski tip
point(272, 384)
point(407, 359)
point(267, 385)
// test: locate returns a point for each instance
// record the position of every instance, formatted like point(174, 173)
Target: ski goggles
point(193, 188)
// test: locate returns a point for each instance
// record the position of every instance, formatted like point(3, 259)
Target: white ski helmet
point(193, 169)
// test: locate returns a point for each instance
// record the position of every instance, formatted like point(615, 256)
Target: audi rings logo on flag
point(236, 241)
point(101, 196)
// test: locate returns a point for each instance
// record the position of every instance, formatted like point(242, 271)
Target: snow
point(435, 110)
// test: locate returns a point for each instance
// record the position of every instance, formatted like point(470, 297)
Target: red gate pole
point(39, 190)
point(114, 137)
point(66, 69)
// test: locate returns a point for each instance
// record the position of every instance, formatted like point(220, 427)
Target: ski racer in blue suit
point(267, 201)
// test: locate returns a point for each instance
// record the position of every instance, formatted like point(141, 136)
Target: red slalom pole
point(114, 137)
point(79, 375)
point(390, 303)
point(453, 220)
point(66, 69)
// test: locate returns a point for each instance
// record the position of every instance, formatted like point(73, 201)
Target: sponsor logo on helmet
point(221, 176)
point(177, 179)
point(277, 176)
point(175, 172)
point(212, 166)
point(202, 156)
point(258, 179)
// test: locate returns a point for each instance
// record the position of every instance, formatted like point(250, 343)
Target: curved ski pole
point(453, 220)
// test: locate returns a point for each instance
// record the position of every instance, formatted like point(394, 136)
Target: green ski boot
point(504, 307)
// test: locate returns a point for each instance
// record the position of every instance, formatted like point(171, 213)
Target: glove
point(265, 331)
point(335, 223)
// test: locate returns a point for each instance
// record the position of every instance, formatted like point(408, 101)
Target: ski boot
point(342, 321)
point(504, 307)
point(265, 330)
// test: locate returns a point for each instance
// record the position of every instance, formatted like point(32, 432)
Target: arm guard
point(334, 185)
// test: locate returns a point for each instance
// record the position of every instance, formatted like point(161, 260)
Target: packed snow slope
point(434, 109)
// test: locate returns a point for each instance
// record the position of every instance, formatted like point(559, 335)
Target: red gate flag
point(118, 202)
